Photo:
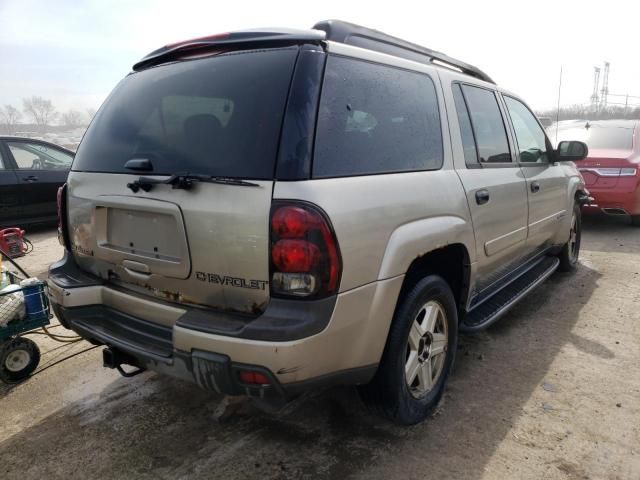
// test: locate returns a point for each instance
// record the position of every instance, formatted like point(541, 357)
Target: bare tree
point(10, 117)
point(72, 118)
point(41, 110)
point(586, 112)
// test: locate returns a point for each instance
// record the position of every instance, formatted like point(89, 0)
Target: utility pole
point(596, 85)
point(604, 93)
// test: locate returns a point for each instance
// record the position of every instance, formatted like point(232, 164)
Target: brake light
point(253, 378)
point(305, 260)
point(61, 197)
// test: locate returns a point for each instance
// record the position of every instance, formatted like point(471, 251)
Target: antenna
point(558, 111)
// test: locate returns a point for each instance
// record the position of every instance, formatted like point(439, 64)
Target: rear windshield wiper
point(185, 182)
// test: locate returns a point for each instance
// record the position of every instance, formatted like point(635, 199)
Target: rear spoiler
point(228, 41)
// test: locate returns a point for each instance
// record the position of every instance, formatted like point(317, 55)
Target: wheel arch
point(451, 262)
point(443, 245)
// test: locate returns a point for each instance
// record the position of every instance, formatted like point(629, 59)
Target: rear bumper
point(625, 197)
point(346, 350)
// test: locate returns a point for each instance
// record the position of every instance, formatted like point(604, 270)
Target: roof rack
point(351, 34)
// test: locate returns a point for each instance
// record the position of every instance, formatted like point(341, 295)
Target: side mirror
point(571, 151)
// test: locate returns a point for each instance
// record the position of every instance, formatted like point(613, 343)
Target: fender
point(575, 184)
point(417, 238)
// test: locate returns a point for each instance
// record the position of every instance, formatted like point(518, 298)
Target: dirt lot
point(551, 391)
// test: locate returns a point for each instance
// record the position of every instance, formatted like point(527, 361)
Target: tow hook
point(112, 358)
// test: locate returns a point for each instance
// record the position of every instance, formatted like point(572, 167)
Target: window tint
point(35, 156)
point(488, 126)
point(376, 119)
point(468, 142)
point(532, 144)
point(218, 115)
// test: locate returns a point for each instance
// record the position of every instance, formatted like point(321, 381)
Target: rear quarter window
point(376, 119)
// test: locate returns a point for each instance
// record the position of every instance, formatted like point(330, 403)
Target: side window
point(532, 144)
point(376, 119)
point(468, 142)
point(488, 127)
point(35, 156)
point(1, 162)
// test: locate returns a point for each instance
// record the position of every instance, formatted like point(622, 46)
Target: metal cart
point(22, 309)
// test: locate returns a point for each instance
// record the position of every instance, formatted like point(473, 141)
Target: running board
point(491, 310)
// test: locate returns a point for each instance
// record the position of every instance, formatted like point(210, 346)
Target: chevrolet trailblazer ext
point(263, 212)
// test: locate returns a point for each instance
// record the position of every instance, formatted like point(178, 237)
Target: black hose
point(57, 338)
point(6, 256)
point(63, 360)
point(29, 248)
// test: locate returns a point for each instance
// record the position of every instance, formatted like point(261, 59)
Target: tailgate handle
point(136, 268)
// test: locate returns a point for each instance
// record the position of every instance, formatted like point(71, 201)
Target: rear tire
point(635, 220)
point(571, 250)
point(18, 359)
point(418, 355)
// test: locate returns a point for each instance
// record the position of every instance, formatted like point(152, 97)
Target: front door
point(546, 182)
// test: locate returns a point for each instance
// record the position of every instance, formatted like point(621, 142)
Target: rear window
point(376, 119)
point(599, 137)
point(219, 116)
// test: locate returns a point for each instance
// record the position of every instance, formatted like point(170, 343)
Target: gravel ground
point(551, 391)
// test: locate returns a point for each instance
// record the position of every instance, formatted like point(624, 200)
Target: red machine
point(12, 242)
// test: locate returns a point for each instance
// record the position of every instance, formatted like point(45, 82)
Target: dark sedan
point(30, 173)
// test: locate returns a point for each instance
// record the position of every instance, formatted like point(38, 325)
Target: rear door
point(494, 183)
point(207, 244)
point(41, 169)
point(10, 206)
point(547, 185)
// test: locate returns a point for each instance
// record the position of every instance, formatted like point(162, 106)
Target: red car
point(611, 171)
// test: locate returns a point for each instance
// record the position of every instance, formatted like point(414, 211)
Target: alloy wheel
point(426, 349)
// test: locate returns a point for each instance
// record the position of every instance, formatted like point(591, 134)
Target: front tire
point(18, 359)
point(418, 356)
point(571, 250)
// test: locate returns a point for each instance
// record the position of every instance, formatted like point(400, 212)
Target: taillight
point(61, 199)
point(253, 378)
point(305, 260)
point(614, 172)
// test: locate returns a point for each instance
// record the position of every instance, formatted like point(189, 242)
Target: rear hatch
point(210, 128)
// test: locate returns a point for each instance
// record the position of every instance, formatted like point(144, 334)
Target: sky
point(75, 51)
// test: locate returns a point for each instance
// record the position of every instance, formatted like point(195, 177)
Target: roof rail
point(351, 34)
